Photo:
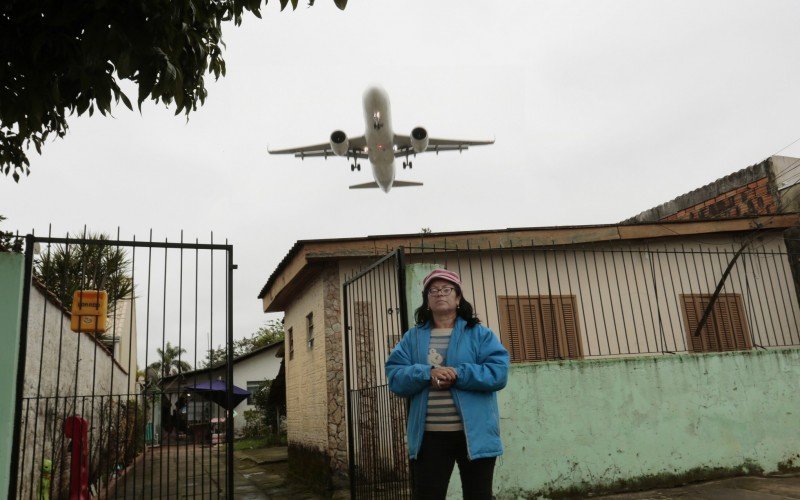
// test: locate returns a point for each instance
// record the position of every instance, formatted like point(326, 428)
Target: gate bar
point(229, 383)
point(134, 243)
point(350, 439)
point(23, 348)
point(401, 285)
point(371, 267)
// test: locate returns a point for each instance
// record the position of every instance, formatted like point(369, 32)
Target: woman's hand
point(443, 378)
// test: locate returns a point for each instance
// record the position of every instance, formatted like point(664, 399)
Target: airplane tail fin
point(368, 185)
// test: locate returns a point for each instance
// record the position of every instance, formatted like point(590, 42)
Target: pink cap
point(441, 274)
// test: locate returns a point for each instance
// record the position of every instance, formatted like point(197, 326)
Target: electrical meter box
point(89, 311)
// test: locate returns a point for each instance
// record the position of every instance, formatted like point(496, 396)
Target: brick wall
point(753, 198)
point(337, 423)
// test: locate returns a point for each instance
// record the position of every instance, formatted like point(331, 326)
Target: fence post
point(15, 280)
point(401, 288)
point(351, 453)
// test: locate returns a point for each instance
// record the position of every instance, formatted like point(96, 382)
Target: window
point(290, 336)
point(726, 326)
point(310, 330)
point(253, 386)
point(540, 328)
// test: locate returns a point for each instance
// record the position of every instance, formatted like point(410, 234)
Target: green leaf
point(82, 104)
point(125, 100)
point(147, 79)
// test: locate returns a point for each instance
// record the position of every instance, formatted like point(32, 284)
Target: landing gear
point(355, 166)
point(407, 164)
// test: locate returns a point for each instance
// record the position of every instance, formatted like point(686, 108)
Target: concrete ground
point(264, 473)
point(736, 488)
point(173, 471)
point(196, 472)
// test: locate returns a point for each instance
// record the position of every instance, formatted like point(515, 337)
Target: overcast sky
point(600, 110)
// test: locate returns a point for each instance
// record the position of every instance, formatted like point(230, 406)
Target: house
point(249, 372)
point(635, 348)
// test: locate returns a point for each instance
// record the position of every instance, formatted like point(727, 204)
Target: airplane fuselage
point(379, 136)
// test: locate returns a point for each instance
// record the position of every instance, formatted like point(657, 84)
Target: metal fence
point(91, 412)
point(374, 322)
point(624, 300)
point(632, 300)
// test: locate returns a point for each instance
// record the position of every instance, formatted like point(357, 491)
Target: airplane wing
point(355, 150)
point(403, 143)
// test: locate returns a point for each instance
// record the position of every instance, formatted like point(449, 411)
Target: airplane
point(380, 145)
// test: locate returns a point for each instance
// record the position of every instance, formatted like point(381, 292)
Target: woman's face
point(439, 302)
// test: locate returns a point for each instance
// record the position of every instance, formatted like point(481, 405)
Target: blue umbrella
point(216, 391)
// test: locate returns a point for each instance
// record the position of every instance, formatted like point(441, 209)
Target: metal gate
point(375, 319)
point(124, 410)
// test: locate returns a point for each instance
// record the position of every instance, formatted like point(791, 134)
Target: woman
point(451, 367)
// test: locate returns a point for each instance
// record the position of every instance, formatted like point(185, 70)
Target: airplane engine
point(419, 139)
point(339, 143)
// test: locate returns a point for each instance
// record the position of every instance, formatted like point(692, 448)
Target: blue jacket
point(481, 363)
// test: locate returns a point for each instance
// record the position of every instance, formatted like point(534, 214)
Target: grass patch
point(259, 442)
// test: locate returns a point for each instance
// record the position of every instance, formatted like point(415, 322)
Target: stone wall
point(337, 422)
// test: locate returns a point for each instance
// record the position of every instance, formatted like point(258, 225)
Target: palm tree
point(170, 362)
point(93, 266)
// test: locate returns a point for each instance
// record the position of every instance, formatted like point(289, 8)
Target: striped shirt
point(442, 414)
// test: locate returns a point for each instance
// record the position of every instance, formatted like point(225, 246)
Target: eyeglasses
point(445, 290)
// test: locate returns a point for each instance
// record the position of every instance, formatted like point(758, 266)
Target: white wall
point(257, 368)
point(66, 373)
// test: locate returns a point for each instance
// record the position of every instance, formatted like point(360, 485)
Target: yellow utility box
point(89, 311)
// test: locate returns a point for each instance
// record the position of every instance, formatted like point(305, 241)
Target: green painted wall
point(11, 277)
point(610, 424)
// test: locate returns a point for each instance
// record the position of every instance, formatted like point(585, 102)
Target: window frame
point(257, 383)
point(310, 330)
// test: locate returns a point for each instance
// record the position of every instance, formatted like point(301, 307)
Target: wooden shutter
point(571, 340)
point(539, 328)
point(724, 330)
point(694, 343)
point(511, 330)
point(550, 330)
point(530, 314)
point(740, 330)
